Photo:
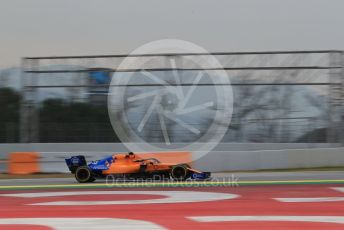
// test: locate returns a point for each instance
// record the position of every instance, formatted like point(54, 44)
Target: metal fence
point(280, 96)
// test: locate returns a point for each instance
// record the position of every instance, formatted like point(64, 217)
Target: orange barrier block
point(23, 163)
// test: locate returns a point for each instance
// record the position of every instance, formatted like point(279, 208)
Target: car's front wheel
point(180, 172)
point(83, 174)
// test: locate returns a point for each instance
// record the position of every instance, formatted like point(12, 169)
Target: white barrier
point(271, 159)
point(225, 157)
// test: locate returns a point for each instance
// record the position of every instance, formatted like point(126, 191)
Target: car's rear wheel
point(180, 172)
point(83, 174)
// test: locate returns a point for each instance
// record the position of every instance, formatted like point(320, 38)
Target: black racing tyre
point(83, 174)
point(180, 172)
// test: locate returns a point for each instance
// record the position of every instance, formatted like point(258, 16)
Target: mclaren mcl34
point(130, 165)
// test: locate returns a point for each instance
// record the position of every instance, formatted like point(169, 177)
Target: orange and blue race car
point(130, 165)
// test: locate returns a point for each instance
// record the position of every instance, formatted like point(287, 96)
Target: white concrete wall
point(224, 157)
point(271, 159)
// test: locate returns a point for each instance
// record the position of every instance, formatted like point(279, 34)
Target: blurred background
point(284, 60)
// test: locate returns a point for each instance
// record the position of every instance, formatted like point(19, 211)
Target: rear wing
point(75, 161)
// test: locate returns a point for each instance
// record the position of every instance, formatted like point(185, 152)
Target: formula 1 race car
point(130, 165)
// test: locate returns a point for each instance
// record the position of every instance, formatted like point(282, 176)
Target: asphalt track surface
point(308, 200)
point(241, 178)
